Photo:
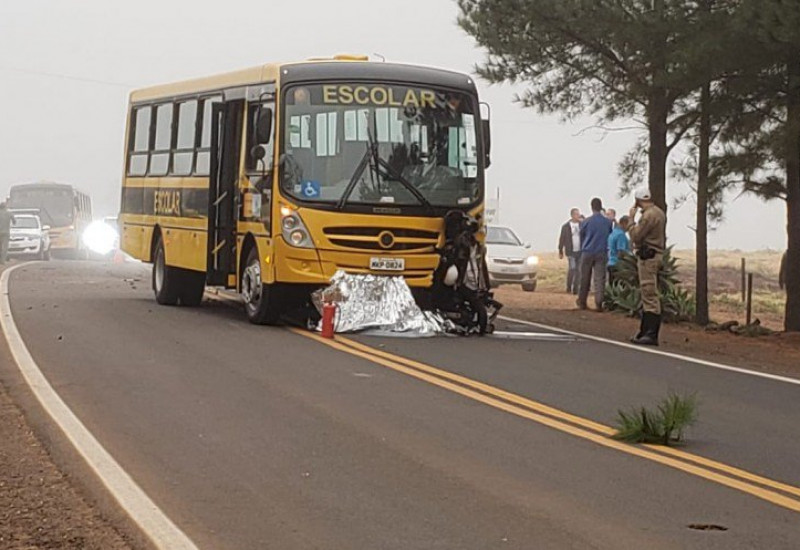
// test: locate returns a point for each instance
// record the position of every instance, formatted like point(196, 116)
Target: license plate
point(387, 264)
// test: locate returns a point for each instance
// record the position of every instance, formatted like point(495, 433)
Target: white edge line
point(153, 522)
point(642, 349)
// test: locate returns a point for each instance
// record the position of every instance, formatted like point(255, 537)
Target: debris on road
point(662, 426)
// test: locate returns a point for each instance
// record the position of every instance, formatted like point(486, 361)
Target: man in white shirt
point(569, 243)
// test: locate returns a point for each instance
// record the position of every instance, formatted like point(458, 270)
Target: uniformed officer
point(649, 239)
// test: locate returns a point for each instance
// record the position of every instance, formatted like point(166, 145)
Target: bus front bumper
point(63, 239)
point(310, 266)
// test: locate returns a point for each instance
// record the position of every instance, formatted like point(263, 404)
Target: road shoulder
point(43, 504)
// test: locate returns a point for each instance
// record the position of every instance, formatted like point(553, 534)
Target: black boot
point(641, 329)
point(651, 326)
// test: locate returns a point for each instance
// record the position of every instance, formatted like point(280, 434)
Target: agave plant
point(624, 295)
point(621, 296)
point(664, 425)
point(678, 304)
point(628, 271)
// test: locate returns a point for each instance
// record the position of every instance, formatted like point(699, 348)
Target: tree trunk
point(792, 319)
point(657, 153)
point(657, 113)
point(701, 234)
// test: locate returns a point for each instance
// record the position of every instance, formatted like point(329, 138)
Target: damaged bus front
point(370, 164)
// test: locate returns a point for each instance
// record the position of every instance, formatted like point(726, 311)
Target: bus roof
point(45, 184)
point(317, 69)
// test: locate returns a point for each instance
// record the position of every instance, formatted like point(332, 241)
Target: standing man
point(649, 237)
point(611, 214)
point(5, 231)
point(569, 243)
point(594, 256)
point(617, 244)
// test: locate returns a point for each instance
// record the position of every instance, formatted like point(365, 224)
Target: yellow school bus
point(64, 209)
point(270, 179)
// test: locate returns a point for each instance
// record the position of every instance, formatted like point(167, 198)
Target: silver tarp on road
point(376, 302)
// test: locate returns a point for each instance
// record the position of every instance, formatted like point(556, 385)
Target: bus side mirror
point(486, 133)
point(263, 125)
point(258, 153)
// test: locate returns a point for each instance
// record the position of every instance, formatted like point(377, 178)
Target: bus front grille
point(383, 239)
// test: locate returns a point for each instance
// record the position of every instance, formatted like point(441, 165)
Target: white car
point(510, 261)
point(28, 237)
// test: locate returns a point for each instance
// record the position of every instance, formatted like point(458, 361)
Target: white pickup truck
point(28, 237)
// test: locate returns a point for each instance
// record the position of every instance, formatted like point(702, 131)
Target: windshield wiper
point(371, 156)
point(351, 185)
point(391, 173)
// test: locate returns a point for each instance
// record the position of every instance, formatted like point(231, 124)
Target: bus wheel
point(259, 299)
point(193, 284)
point(165, 278)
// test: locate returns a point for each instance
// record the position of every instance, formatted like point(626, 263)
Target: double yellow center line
point(781, 494)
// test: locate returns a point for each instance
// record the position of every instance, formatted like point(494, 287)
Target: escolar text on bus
point(378, 95)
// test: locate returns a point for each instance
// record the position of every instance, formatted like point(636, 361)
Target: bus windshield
point(380, 144)
point(55, 205)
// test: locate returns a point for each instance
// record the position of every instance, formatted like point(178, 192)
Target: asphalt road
point(256, 437)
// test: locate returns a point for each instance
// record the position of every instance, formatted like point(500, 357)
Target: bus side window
point(203, 163)
point(159, 159)
point(139, 144)
point(183, 157)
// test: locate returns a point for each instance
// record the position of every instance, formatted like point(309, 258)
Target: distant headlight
point(532, 260)
point(99, 237)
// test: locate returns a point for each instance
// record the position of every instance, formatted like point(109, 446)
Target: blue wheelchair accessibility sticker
point(310, 189)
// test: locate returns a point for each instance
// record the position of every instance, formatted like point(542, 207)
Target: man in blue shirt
point(618, 243)
point(595, 231)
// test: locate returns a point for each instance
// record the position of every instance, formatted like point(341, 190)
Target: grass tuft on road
point(664, 425)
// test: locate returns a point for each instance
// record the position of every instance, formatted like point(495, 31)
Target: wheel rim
point(251, 284)
point(159, 271)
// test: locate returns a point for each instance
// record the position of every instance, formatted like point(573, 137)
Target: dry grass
point(724, 282)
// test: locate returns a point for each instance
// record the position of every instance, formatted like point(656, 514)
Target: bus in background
point(62, 207)
point(269, 180)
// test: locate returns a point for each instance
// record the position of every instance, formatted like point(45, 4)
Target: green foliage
point(664, 425)
point(622, 297)
point(678, 304)
point(623, 294)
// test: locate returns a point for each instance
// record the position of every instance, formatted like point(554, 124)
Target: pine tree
point(762, 137)
point(615, 59)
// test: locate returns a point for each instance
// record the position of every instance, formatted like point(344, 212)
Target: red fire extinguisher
point(328, 316)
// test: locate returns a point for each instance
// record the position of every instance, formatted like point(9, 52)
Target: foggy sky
point(71, 129)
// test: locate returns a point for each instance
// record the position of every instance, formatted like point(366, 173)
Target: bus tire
point(260, 300)
point(193, 285)
point(165, 278)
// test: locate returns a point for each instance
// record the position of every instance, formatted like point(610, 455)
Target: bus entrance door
point(222, 208)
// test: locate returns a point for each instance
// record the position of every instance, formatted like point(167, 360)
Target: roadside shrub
point(624, 295)
point(664, 426)
point(678, 304)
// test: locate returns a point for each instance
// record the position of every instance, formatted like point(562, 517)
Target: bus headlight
point(297, 237)
point(294, 230)
point(289, 223)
